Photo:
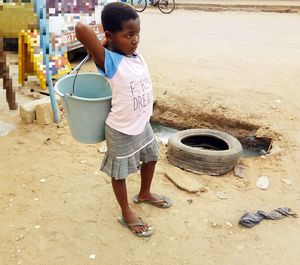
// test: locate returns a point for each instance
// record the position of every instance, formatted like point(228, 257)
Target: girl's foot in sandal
point(159, 201)
point(145, 232)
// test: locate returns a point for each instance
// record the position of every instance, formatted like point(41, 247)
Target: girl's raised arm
point(86, 35)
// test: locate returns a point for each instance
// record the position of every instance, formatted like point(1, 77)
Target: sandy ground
point(238, 72)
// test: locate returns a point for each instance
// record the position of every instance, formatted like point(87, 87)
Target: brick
point(28, 110)
point(44, 114)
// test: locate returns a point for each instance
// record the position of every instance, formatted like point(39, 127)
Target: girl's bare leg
point(147, 172)
point(120, 190)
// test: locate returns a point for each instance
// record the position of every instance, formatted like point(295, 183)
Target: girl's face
point(126, 41)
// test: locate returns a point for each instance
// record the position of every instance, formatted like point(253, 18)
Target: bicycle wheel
point(166, 6)
point(139, 5)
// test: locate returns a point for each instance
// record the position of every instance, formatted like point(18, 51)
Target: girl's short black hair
point(114, 14)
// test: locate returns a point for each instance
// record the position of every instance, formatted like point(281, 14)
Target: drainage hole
point(205, 142)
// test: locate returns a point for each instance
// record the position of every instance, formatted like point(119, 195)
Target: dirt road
point(237, 72)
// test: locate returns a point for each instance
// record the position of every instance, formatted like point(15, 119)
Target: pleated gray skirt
point(126, 152)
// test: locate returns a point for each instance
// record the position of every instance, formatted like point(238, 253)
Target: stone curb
point(245, 8)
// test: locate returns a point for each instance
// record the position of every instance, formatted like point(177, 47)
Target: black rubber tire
point(139, 5)
point(166, 6)
point(197, 160)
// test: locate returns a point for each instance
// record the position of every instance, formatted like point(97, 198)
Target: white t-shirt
point(132, 95)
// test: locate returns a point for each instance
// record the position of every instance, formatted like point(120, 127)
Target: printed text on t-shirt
point(141, 92)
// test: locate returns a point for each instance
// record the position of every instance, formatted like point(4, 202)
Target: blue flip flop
point(146, 233)
point(166, 200)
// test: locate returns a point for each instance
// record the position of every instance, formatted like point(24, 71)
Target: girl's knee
point(150, 163)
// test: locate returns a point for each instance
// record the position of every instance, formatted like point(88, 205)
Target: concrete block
point(28, 110)
point(44, 114)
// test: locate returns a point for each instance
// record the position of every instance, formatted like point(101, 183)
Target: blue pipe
point(47, 50)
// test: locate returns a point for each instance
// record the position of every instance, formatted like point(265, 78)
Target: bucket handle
point(77, 69)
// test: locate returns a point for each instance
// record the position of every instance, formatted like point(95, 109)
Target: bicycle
point(165, 6)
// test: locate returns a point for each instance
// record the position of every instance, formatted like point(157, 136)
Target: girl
point(129, 136)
